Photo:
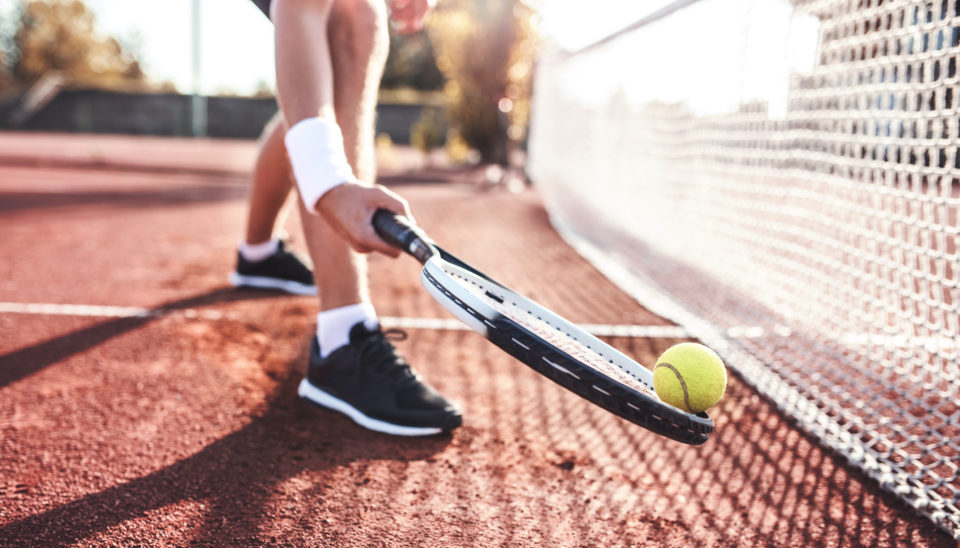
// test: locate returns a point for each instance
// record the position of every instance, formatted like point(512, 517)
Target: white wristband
point(315, 147)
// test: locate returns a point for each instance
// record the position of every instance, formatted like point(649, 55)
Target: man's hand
point(349, 209)
point(408, 15)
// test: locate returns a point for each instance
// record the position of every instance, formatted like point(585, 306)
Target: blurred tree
point(486, 49)
point(429, 132)
point(411, 64)
point(6, 78)
point(7, 29)
point(61, 35)
point(264, 90)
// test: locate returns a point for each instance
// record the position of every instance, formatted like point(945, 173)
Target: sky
point(237, 40)
point(713, 56)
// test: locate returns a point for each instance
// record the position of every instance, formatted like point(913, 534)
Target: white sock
point(258, 252)
point(333, 326)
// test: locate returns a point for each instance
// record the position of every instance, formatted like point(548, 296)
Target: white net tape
point(788, 173)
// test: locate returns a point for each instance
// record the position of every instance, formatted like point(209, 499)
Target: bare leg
point(263, 262)
point(271, 185)
point(329, 62)
point(359, 30)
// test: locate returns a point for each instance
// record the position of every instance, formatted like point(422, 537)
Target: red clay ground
point(184, 427)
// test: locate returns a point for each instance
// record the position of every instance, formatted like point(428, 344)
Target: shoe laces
point(378, 354)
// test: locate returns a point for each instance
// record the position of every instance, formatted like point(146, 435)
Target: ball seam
point(686, 395)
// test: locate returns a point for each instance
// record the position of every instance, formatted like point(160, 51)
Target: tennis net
point(782, 178)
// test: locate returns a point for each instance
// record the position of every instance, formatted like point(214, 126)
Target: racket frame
point(444, 281)
point(443, 276)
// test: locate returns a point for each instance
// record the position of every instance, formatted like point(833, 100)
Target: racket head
point(557, 348)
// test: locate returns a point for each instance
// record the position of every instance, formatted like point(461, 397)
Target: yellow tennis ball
point(690, 376)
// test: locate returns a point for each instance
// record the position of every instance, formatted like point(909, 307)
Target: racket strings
point(554, 335)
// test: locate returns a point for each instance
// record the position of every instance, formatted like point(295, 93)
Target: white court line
point(442, 324)
point(96, 311)
point(76, 310)
point(930, 343)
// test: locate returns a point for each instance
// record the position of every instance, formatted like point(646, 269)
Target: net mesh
point(783, 179)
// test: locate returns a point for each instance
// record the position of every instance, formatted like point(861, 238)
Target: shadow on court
point(174, 196)
point(234, 478)
point(757, 481)
point(27, 361)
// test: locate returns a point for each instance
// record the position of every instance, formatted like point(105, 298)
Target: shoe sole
point(312, 394)
point(262, 282)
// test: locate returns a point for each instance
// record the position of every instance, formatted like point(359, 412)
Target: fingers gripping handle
point(399, 232)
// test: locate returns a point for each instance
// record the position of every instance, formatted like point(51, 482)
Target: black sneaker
point(368, 381)
point(283, 270)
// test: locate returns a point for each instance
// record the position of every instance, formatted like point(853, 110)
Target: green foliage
point(430, 131)
point(411, 64)
point(61, 35)
point(486, 48)
point(8, 51)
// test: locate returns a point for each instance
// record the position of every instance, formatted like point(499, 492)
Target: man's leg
point(354, 369)
point(262, 260)
point(272, 183)
point(359, 30)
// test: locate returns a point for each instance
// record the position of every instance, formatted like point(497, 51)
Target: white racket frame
point(460, 302)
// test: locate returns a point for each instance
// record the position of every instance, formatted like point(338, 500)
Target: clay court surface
point(179, 424)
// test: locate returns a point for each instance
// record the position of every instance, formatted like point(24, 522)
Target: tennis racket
point(551, 345)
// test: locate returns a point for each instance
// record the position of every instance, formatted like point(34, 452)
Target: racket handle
point(402, 234)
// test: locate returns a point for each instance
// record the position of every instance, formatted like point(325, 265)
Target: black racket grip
point(402, 234)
